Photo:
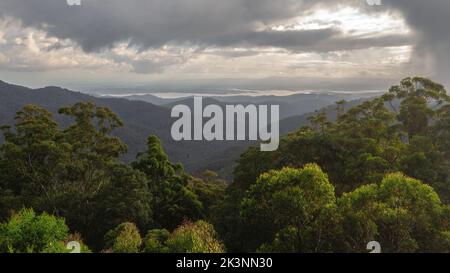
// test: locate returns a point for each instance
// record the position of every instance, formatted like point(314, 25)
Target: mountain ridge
point(140, 119)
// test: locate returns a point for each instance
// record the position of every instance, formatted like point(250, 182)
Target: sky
point(223, 45)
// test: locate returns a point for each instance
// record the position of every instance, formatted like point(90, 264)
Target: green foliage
point(278, 202)
point(406, 130)
point(27, 232)
point(74, 173)
point(198, 237)
point(402, 213)
point(416, 93)
point(440, 134)
point(288, 204)
point(31, 160)
point(126, 198)
point(57, 247)
point(295, 210)
point(173, 199)
point(366, 142)
point(125, 238)
point(210, 190)
point(155, 241)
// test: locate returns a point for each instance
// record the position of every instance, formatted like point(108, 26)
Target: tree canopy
point(377, 171)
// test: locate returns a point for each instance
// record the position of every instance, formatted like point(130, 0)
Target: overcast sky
point(264, 44)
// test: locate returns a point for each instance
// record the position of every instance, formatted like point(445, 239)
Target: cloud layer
point(249, 38)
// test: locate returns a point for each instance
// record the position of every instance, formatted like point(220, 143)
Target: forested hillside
point(142, 119)
point(375, 171)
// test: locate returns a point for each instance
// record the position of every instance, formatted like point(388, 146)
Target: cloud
point(148, 23)
point(317, 40)
point(430, 20)
point(3, 58)
point(99, 24)
point(145, 66)
point(255, 38)
point(29, 49)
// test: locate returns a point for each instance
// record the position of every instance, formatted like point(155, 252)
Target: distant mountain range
point(142, 118)
point(290, 106)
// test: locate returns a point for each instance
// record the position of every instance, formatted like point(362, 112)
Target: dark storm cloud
point(431, 20)
point(98, 24)
point(148, 23)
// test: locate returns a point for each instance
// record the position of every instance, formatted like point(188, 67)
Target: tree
point(32, 161)
point(101, 191)
point(358, 211)
point(125, 238)
point(155, 241)
point(173, 199)
point(198, 237)
point(405, 130)
point(320, 122)
point(27, 232)
point(289, 203)
point(210, 190)
point(276, 203)
point(401, 213)
point(93, 153)
point(440, 134)
point(416, 94)
point(125, 198)
point(361, 146)
point(74, 173)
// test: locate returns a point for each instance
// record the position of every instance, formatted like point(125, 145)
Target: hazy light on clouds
point(138, 40)
point(351, 21)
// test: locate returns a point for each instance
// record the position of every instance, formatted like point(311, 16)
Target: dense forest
point(379, 171)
